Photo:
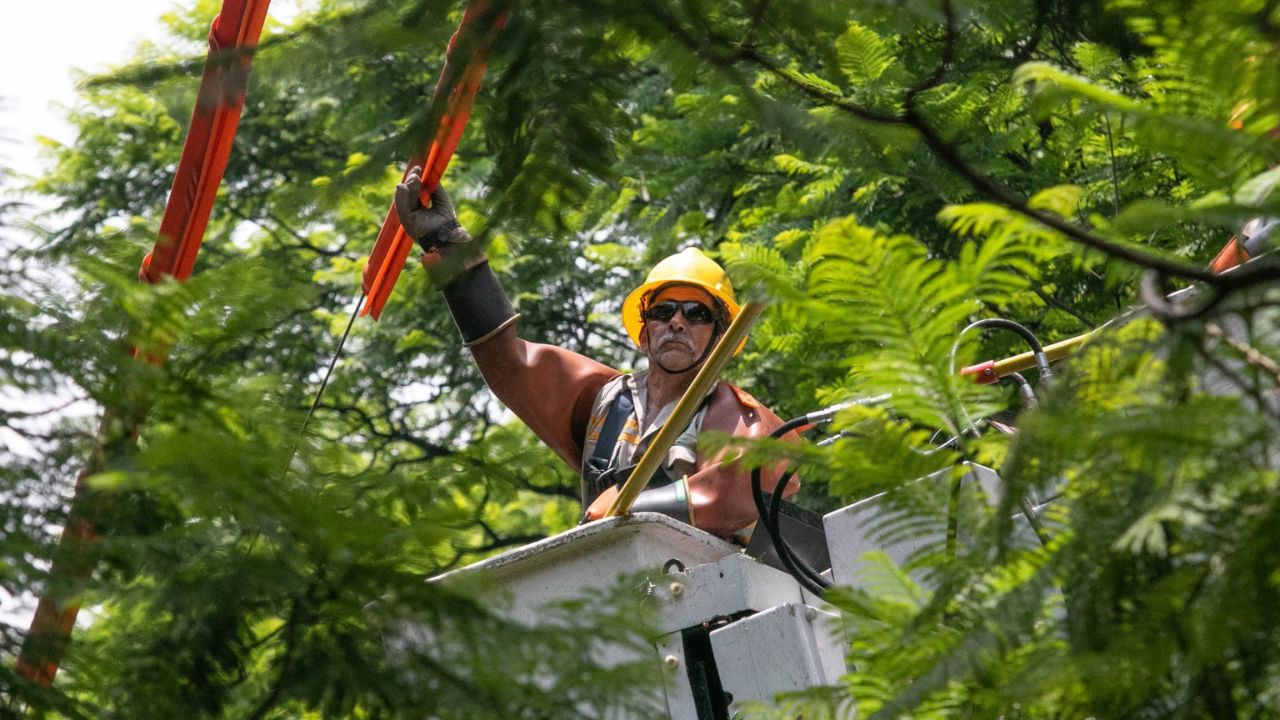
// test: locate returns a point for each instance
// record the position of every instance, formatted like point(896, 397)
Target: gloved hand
point(447, 246)
point(431, 226)
point(601, 504)
point(671, 500)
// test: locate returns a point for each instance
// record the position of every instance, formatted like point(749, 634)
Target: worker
point(598, 420)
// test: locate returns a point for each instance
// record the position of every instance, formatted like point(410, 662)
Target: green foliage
point(863, 55)
point(793, 141)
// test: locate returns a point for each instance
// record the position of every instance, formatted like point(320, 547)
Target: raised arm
point(549, 388)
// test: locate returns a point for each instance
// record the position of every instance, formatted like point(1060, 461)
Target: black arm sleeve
point(478, 304)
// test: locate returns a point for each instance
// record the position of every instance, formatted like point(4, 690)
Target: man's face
point(673, 339)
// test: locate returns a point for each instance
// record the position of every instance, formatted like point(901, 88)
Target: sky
point(44, 43)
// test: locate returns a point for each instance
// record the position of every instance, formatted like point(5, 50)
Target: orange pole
point(205, 151)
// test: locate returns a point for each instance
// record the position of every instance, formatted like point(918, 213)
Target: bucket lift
point(730, 629)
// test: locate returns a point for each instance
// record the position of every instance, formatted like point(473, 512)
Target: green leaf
point(793, 165)
point(1062, 200)
point(863, 55)
point(1259, 188)
point(820, 83)
point(1096, 60)
point(1045, 78)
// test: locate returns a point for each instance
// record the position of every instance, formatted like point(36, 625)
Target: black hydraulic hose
point(804, 573)
point(1037, 350)
point(757, 492)
point(762, 509)
point(801, 570)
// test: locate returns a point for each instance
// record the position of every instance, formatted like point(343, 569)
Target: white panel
point(784, 649)
point(859, 528)
point(585, 559)
point(675, 678)
point(731, 585)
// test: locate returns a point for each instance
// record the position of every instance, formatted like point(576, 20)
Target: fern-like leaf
point(863, 55)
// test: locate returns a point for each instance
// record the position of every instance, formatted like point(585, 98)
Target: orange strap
point(455, 93)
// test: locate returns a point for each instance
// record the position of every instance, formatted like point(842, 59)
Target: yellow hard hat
point(687, 267)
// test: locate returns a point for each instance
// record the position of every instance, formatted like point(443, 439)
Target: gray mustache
point(676, 337)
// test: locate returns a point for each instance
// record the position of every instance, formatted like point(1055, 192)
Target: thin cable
point(324, 384)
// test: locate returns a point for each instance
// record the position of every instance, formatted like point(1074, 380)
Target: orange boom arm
point(214, 121)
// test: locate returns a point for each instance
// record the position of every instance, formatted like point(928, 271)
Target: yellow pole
point(1053, 352)
point(685, 409)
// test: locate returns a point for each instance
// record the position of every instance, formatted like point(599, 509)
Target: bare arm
point(549, 388)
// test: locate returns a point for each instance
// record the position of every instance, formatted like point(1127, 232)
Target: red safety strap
point(452, 104)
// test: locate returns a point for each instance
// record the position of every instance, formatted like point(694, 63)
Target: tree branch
point(818, 92)
point(1023, 52)
point(1055, 302)
point(1251, 355)
point(301, 241)
point(757, 15)
point(1152, 292)
point(429, 449)
point(950, 156)
point(944, 61)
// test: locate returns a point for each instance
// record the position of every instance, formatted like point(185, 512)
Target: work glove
point(671, 500)
point(447, 246)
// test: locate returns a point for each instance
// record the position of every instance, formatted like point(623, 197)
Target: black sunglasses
point(694, 311)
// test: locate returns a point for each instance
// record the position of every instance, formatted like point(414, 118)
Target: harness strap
point(598, 470)
point(598, 463)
